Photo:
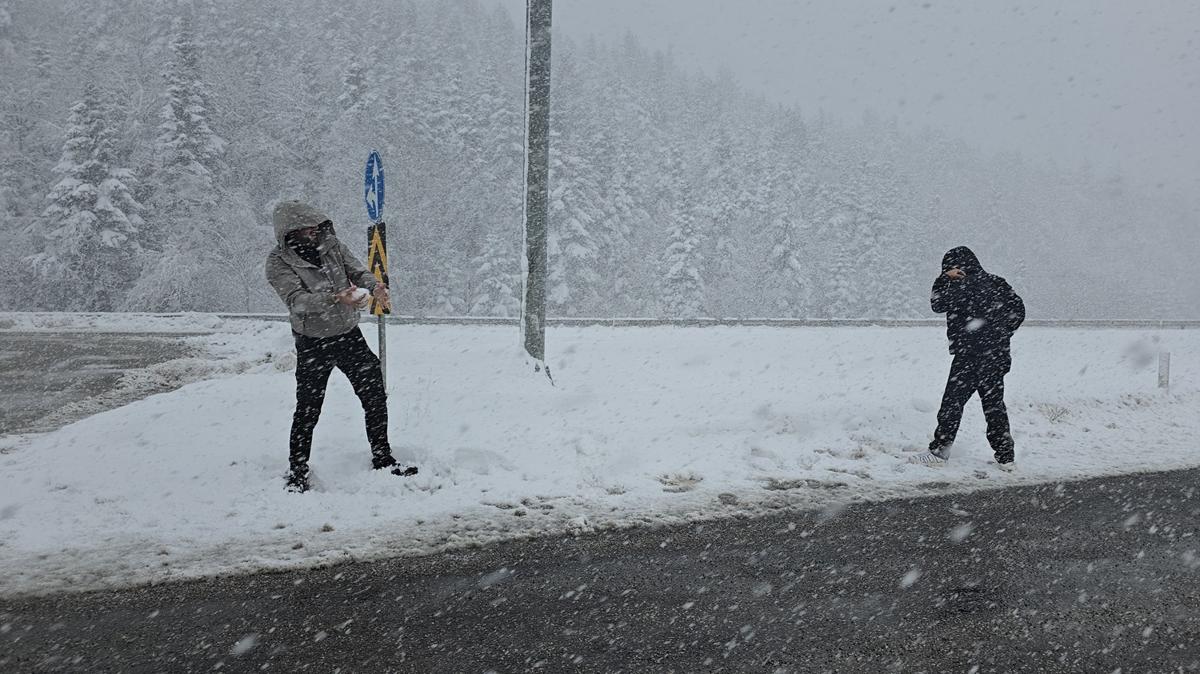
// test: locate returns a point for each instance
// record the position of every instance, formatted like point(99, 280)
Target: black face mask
point(305, 248)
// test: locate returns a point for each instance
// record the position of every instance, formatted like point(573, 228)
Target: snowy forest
point(143, 143)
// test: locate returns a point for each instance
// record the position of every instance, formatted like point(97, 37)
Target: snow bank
point(115, 322)
point(643, 425)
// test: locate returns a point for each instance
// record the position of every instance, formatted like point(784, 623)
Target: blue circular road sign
point(373, 187)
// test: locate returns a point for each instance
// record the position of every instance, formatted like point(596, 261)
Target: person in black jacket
point(982, 313)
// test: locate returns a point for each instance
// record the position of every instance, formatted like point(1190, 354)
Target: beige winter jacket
point(306, 289)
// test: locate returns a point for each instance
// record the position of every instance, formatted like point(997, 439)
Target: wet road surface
point(45, 376)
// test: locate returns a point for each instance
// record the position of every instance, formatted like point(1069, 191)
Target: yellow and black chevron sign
point(377, 263)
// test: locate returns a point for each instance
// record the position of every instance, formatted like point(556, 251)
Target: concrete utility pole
point(537, 174)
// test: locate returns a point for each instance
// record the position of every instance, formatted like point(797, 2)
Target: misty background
point(766, 158)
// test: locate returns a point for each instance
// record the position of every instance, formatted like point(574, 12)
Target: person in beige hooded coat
point(318, 278)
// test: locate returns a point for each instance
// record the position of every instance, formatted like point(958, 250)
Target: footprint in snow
point(778, 484)
point(677, 483)
point(535, 503)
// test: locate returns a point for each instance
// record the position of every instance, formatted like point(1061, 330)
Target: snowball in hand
point(360, 296)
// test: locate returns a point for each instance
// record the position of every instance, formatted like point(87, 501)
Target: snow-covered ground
point(643, 425)
point(112, 322)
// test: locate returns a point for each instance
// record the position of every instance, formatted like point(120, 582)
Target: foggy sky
point(1110, 81)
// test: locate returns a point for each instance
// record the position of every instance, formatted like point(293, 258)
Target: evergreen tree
point(681, 280)
point(191, 154)
point(721, 205)
point(43, 62)
point(450, 285)
point(180, 273)
point(788, 274)
point(496, 279)
point(494, 147)
point(89, 236)
point(574, 278)
point(785, 202)
point(789, 235)
point(7, 51)
point(846, 233)
point(682, 286)
point(354, 85)
point(612, 123)
point(621, 215)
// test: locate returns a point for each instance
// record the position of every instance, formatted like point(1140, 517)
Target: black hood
point(963, 258)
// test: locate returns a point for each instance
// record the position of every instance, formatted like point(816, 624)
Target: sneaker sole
point(924, 461)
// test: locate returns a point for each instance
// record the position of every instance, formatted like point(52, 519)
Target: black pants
point(985, 375)
point(315, 359)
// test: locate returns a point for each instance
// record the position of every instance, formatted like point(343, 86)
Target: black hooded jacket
point(982, 310)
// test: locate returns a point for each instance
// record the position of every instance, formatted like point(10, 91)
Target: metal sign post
point(377, 248)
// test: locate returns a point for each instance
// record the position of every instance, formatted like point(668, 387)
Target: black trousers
point(315, 359)
point(985, 375)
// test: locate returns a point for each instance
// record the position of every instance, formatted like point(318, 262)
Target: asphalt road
point(45, 376)
point(1096, 576)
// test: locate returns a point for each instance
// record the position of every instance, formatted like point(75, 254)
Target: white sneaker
point(928, 459)
point(1007, 467)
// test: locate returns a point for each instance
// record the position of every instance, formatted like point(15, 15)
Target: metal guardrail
point(1153, 324)
point(741, 322)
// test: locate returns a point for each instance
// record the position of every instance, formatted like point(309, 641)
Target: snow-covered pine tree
point(43, 62)
point(719, 209)
point(449, 284)
point(574, 279)
point(620, 216)
point(495, 153)
point(234, 252)
point(354, 85)
point(445, 85)
point(682, 286)
point(574, 275)
point(7, 51)
point(789, 240)
point(844, 234)
point(784, 202)
point(179, 272)
point(191, 153)
point(627, 162)
point(313, 127)
point(16, 162)
point(496, 277)
point(890, 288)
point(789, 277)
point(28, 145)
point(682, 283)
point(88, 234)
